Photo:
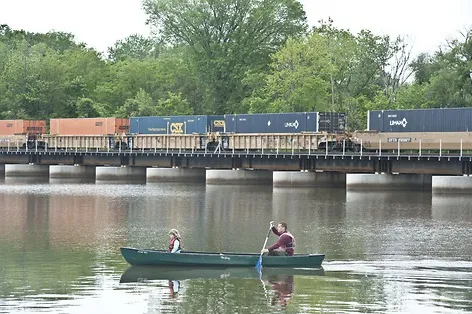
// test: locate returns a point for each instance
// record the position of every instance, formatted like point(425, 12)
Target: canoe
point(144, 273)
point(145, 257)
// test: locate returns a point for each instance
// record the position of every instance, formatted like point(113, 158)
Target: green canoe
point(144, 273)
point(143, 257)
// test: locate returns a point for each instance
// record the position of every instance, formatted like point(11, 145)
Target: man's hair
point(283, 224)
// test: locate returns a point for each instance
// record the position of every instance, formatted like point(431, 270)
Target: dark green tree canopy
point(222, 56)
point(227, 38)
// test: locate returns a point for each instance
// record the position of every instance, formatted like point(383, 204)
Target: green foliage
point(140, 105)
point(173, 105)
point(227, 38)
point(444, 78)
point(413, 96)
point(135, 47)
point(143, 105)
point(228, 56)
point(329, 70)
point(299, 78)
point(86, 108)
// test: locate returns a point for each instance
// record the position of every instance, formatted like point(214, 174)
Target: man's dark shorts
point(277, 253)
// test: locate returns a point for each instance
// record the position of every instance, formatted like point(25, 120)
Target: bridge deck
point(362, 162)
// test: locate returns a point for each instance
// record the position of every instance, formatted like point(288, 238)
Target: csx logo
point(176, 128)
point(219, 123)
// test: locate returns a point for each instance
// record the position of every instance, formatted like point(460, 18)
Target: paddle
point(259, 262)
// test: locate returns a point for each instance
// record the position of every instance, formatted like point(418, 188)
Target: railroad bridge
point(363, 170)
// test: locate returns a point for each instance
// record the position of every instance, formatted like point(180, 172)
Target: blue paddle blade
point(259, 263)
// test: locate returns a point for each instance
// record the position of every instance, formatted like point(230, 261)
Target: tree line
point(228, 56)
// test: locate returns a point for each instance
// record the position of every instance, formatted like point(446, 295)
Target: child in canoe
point(175, 241)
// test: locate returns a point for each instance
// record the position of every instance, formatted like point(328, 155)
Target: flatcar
point(412, 141)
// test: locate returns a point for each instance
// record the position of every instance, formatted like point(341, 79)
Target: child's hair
point(175, 232)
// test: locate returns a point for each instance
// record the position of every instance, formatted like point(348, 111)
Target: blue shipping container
point(296, 122)
point(169, 125)
point(271, 123)
point(421, 120)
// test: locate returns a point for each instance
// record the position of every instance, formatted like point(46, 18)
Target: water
point(391, 252)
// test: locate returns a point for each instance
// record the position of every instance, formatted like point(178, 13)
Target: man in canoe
point(285, 245)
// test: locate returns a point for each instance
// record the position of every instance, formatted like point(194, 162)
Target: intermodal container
point(169, 124)
point(12, 127)
point(268, 123)
point(88, 126)
point(295, 122)
point(421, 120)
point(331, 122)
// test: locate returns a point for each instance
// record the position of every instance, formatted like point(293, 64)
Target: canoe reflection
point(280, 280)
point(145, 273)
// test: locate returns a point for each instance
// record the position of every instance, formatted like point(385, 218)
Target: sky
point(100, 23)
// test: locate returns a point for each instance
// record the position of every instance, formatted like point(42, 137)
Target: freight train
point(301, 132)
point(185, 132)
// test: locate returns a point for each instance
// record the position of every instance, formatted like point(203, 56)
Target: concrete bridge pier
point(452, 184)
point(71, 172)
point(175, 175)
point(26, 170)
point(238, 176)
point(2, 169)
point(306, 179)
point(388, 181)
point(120, 173)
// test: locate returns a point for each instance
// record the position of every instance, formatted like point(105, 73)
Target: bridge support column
point(452, 184)
point(175, 175)
point(240, 176)
point(2, 169)
point(389, 181)
point(120, 173)
point(71, 172)
point(26, 170)
point(299, 178)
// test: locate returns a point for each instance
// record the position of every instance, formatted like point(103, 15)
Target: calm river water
point(395, 252)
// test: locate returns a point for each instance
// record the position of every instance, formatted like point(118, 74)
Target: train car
point(79, 142)
point(21, 133)
point(300, 142)
point(146, 142)
point(414, 141)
